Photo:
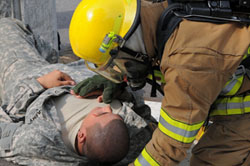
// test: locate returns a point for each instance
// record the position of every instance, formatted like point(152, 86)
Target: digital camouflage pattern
point(30, 132)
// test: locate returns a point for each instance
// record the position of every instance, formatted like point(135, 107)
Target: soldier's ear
point(81, 136)
point(81, 140)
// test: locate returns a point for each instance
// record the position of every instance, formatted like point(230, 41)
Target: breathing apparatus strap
point(137, 55)
point(246, 62)
point(215, 11)
point(153, 89)
point(151, 78)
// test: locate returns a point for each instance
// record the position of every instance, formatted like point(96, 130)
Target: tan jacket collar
point(150, 13)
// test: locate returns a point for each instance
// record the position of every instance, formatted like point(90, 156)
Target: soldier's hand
point(97, 85)
point(54, 79)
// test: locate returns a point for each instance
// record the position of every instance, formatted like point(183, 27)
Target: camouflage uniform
point(30, 132)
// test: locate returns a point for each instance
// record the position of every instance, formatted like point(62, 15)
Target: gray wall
point(39, 14)
point(65, 10)
point(5, 8)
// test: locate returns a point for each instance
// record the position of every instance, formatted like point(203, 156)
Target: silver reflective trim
point(237, 74)
point(225, 106)
point(177, 130)
point(229, 87)
point(143, 161)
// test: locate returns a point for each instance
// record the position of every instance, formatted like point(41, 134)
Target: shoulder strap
point(194, 11)
point(246, 62)
point(166, 25)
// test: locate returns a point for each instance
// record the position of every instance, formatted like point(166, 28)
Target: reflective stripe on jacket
point(178, 130)
point(229, 104)
point(234, 84)
point(145, 159)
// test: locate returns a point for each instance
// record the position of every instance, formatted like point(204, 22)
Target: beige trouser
point(225, 143)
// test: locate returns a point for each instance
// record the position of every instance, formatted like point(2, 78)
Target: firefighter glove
point(98, 82)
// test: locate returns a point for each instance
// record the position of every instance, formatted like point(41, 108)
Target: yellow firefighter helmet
point(99, 26)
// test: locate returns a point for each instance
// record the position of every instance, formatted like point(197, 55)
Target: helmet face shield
point(111, 72)
point(124, 68)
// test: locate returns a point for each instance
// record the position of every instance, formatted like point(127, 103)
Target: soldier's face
point(101, 115)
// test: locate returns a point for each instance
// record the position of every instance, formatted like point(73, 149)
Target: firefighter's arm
point(184, 109)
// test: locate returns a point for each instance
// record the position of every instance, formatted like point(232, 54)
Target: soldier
point(197, 46)
point(41, 123)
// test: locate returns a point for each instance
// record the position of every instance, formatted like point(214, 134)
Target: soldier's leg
point(226, 142)
point(18, 54)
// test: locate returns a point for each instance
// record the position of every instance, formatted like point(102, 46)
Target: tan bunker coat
point(198, 60)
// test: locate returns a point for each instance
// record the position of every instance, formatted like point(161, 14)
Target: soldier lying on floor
point(41, 123)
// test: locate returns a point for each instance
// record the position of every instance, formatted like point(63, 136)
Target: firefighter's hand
point(54, 79)
point(97, 85)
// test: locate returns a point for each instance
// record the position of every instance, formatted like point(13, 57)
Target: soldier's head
point(107, 35)
point(103, 136)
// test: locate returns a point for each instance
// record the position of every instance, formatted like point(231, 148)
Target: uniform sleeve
point(24, 93)
point(196, 65)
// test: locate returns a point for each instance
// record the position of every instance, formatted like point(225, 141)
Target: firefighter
point(201, 49)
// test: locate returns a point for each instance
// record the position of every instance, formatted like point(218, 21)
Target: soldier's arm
point(29, 88)
point(54, 79)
